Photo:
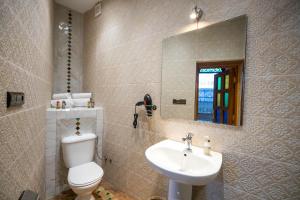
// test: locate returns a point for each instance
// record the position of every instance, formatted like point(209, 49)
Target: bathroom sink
point(195, 168)
point(183, 168)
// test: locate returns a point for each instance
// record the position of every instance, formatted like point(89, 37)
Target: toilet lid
point(85, 174)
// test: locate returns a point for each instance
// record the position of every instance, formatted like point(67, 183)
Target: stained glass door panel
point(224, 97)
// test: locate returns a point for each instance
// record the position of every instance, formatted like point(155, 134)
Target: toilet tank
point(78, 149)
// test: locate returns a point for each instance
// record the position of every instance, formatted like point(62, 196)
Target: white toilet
point(84, 175)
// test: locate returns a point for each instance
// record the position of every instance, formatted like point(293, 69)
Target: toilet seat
point(85, 174)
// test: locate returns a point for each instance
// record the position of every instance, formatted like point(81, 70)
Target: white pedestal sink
point(183, 168)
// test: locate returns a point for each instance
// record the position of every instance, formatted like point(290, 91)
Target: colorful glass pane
point(219, 83)
point(218, 115)
point(227, 81)
point(226, 99)
point(225, 117)
point(219, 99)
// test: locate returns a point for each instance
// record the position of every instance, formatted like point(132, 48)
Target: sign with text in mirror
point(202, 73)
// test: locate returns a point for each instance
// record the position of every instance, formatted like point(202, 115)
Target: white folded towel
point(81, 95)
point(80, 102)
point(61, 96)
point(68, 103)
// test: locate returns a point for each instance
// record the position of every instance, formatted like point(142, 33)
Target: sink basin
point(171, 159)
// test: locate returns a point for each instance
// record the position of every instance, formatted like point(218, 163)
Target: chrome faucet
point(188, 139)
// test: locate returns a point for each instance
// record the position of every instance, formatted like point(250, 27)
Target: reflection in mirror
point(202, 73)
point(217, 91)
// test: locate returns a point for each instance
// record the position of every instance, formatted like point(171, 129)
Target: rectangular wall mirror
point(202, 73)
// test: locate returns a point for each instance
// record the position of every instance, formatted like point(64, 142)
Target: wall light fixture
point(196, 13)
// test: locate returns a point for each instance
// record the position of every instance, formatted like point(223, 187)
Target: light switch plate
point(15, 99)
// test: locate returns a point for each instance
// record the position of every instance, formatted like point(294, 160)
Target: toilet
point(84, 175)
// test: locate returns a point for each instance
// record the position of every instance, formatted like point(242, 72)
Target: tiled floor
point(108, 194)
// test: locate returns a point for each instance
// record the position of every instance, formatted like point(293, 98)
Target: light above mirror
point(196, 14)
point(193, 15)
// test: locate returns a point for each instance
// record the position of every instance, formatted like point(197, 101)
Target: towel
point(59, 96)
point(81, 95)
point(80, 102)
point(68, 103)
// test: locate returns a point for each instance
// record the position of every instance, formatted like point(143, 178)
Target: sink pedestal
point(179, 191)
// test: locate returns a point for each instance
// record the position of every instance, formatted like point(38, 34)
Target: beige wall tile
point(61, 51)
point(25, 66)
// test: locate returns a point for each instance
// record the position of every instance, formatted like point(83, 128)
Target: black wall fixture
point(15, 99)
point(69, 51)
point(148, 106)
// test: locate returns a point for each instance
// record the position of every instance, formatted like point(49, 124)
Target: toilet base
point(86, 197)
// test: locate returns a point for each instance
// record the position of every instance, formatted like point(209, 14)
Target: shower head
point(64, 27)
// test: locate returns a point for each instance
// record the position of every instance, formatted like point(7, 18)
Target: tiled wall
point(25, 66)
point(64, 43)
point(123, 54)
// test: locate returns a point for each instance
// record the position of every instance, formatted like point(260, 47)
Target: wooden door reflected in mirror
point(217, 87)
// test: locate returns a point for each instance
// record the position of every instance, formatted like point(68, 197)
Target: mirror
point(202, 73)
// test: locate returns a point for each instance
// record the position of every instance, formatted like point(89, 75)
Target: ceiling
point(78, 5)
